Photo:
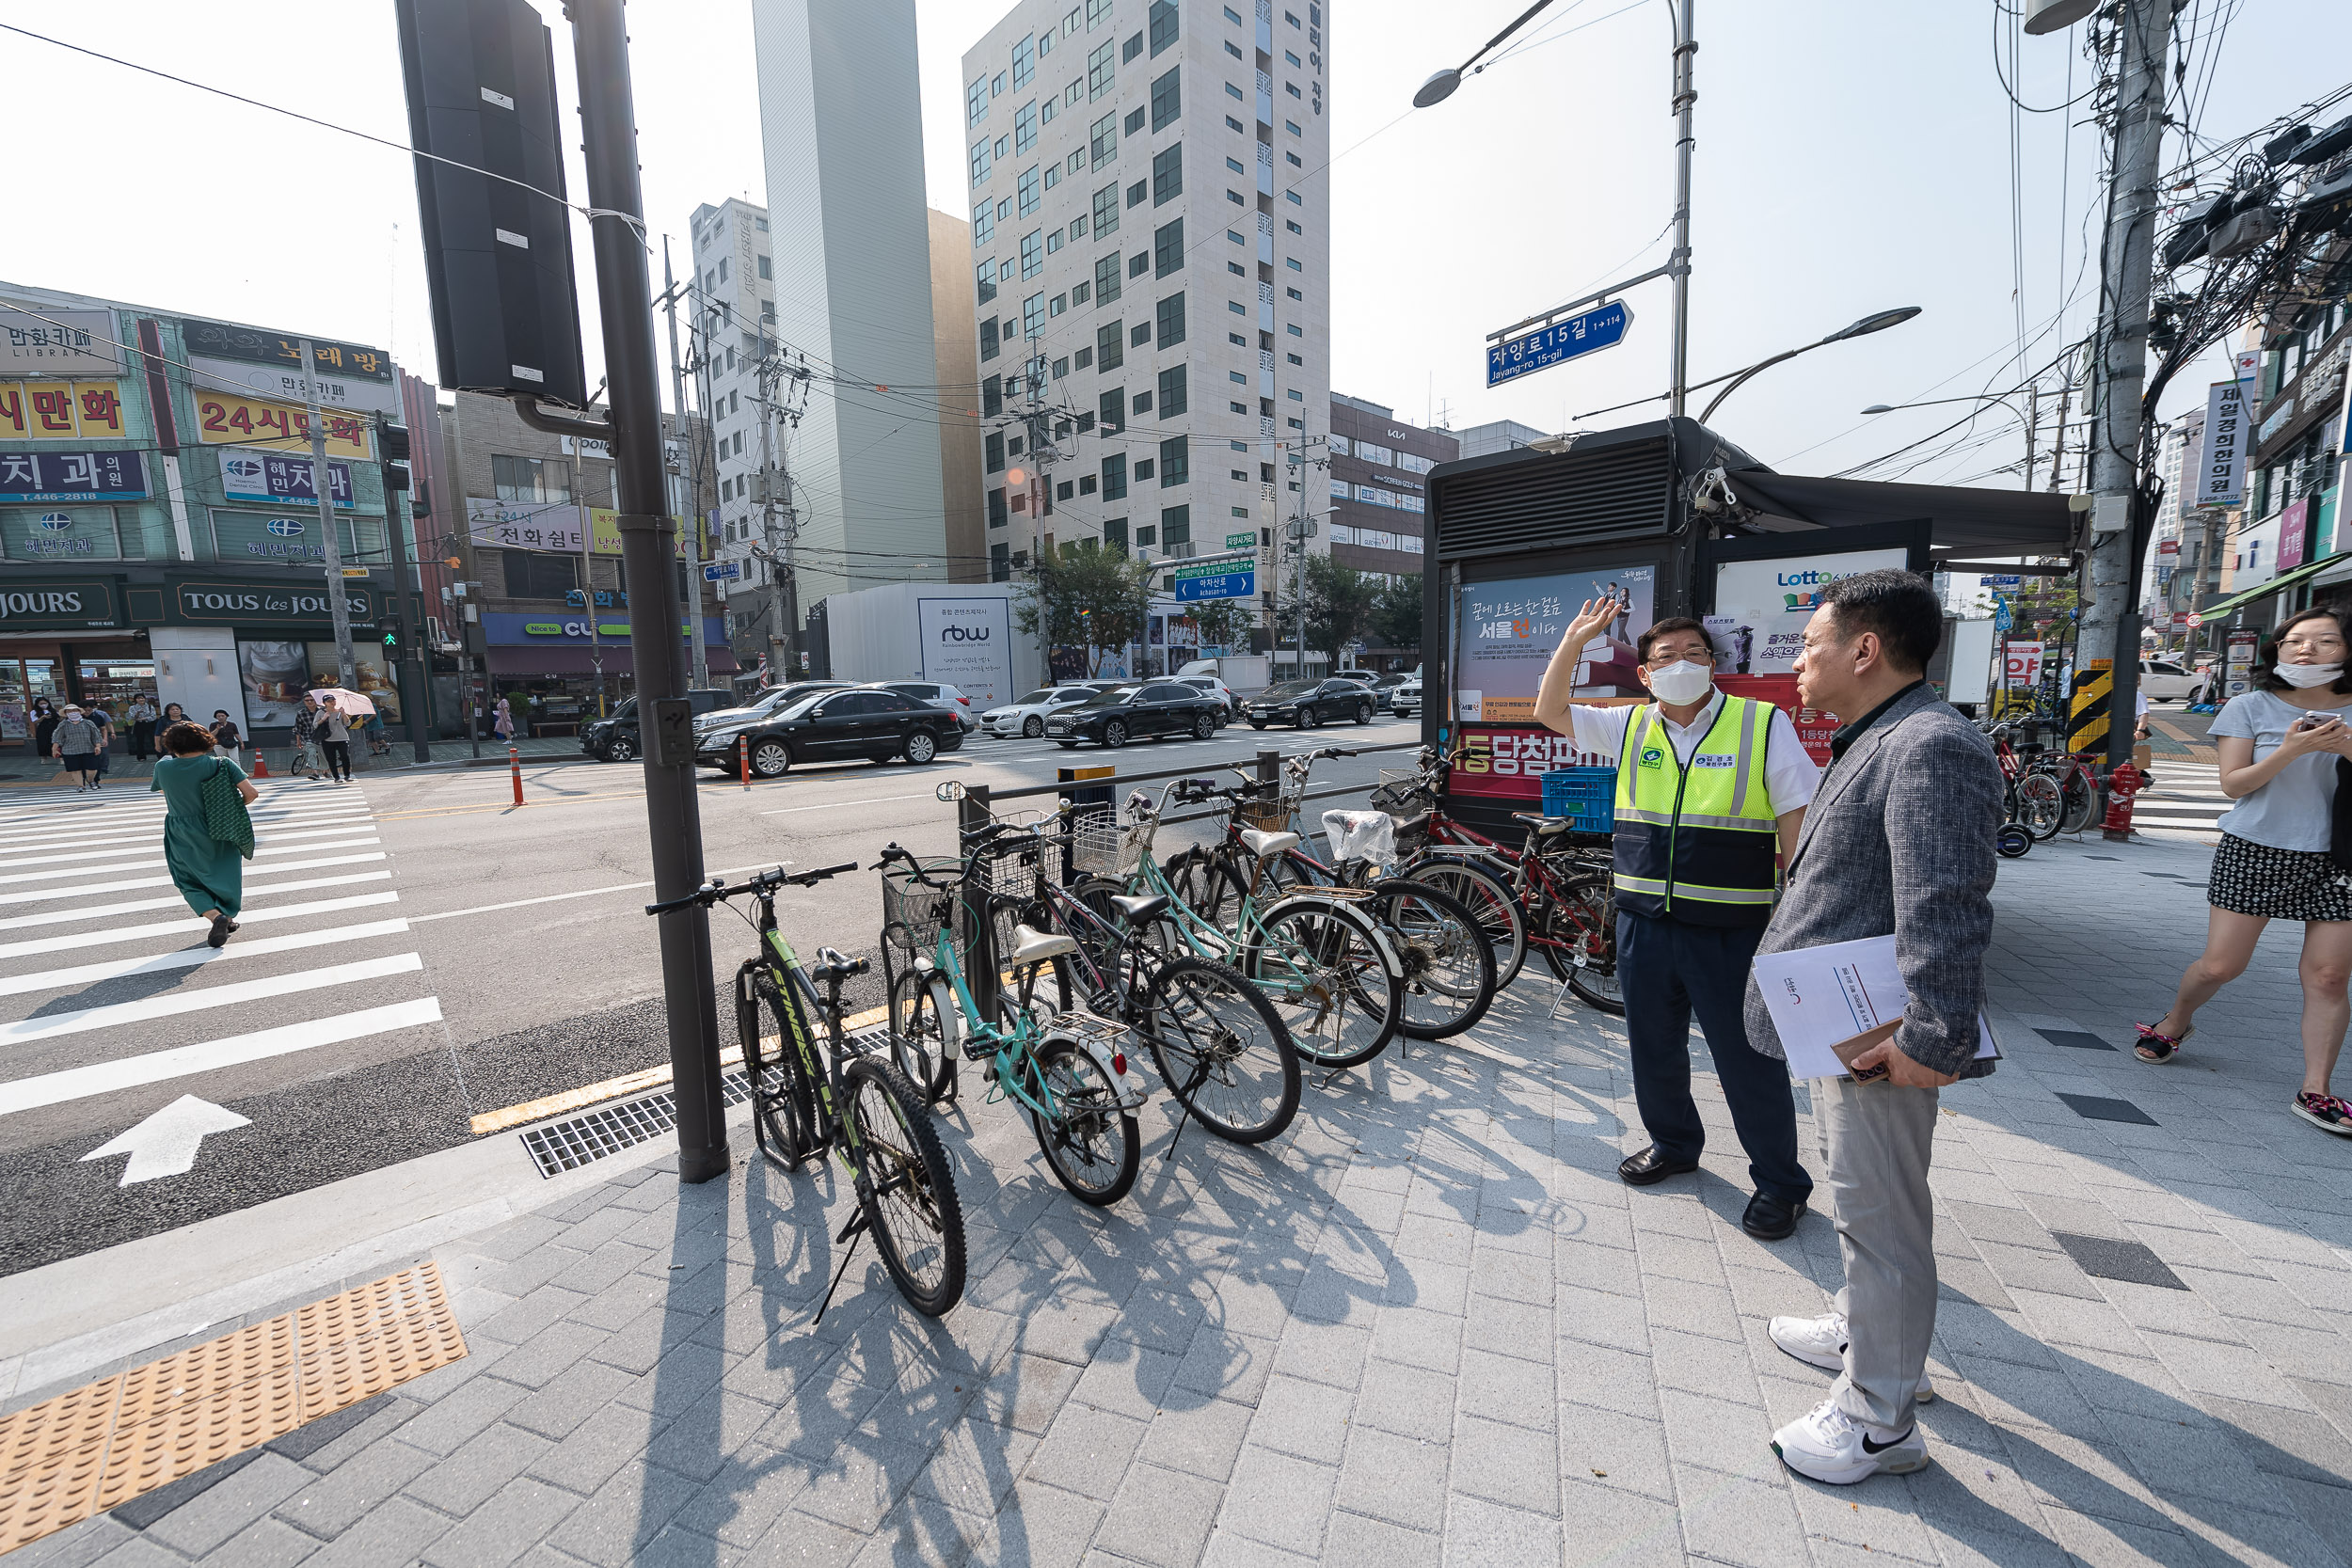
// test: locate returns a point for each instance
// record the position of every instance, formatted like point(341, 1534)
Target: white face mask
point(1684, 681)
point(2304, 676)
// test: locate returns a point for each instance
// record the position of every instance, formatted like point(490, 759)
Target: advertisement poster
point(368, 668)
point(1509, 629)
point(967, 643)
point(275, 674)
point(2238, 672)
point(1761, 607)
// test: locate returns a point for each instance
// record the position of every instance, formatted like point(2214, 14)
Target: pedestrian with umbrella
point(339, 710)
point(207, 834)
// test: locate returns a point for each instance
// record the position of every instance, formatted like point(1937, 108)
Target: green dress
point(209, 874)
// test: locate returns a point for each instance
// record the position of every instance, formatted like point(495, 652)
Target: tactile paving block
point(98, 1446)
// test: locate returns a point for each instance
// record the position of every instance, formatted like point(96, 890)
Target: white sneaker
point(1831, 1446)
point(1821, 1342)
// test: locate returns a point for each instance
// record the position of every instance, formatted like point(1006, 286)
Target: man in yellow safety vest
point(1711, 791)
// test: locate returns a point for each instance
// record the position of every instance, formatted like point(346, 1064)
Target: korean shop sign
point(41, 343)
point(41, 477)
point(272, 477)
point(227, 420)
point(61, 411)
point(213, 603)
point(53, 602)
point(220, 340)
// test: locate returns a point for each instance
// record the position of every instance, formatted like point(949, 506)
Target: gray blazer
point(1899, 839)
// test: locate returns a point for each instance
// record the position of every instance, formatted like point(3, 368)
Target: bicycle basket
point(912, 914)
point(1013, 867)
point(1401, 790)
point(1268, 811)
point(1100, 846)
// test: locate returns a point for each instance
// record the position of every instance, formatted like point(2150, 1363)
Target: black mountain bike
point(805, 1100)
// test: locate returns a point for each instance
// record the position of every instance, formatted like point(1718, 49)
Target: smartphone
point(2316, 720)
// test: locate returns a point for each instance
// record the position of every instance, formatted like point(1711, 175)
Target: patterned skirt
point(2277, 884)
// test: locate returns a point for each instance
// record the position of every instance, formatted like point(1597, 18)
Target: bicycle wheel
point(784, 1102)
point(1207, 884)
point(1092, 1145)
point(2041, 806)
point(1488, 897)
point(1222, 1050)
point(925, 1032)
point(1449, 964)
point(2082, 803)
point(1585, 927)
point(1053, 988)
point(1321, 964)
point(909, 1192)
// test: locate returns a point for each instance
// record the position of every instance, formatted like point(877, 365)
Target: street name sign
point(1587, 332)
point(1215, 579)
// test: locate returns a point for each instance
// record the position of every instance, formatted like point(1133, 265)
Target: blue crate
point(1586, 796)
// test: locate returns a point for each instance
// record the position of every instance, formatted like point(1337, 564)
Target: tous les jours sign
point(58, 604)
point(254, 601)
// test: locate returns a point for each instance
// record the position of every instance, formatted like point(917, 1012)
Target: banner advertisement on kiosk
point(1761, 607)
point(1504, 639)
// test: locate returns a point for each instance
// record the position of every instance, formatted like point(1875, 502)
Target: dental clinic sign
point(1761, 605)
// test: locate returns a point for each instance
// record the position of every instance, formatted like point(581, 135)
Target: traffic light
point(392, 642)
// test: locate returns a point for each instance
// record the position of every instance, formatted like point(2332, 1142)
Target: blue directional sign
point(722, 571)
point(1216, 579)
point(2002, 619)
point(2005, 580)
point(1603, 326)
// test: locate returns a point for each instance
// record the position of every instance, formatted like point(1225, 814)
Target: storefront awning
point(523, 664)
point(2304, 573)
point(1982, 524)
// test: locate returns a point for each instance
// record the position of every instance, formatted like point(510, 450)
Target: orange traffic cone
point(260, 763)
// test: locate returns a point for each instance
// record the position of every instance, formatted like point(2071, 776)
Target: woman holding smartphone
point(2280, 747)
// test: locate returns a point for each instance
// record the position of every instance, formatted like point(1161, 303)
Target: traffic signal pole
point(415, 702)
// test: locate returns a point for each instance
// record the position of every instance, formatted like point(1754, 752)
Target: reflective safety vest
point(1698, 842)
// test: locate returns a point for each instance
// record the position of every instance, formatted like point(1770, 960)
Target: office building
point(1376, 488)
point(851, 247)
point(1150, 267)
point(1498, 436)
point(954, 348)
point(733, 323)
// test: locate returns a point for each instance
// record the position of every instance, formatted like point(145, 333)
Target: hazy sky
point(1851, 157)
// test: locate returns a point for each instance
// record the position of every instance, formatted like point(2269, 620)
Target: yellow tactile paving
point(100, 1445)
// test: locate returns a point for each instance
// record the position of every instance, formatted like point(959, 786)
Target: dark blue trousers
point(1669, 972)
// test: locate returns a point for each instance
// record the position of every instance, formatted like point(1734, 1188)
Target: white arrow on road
point(165, 1143)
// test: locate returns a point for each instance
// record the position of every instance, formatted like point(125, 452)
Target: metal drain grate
point(593, 1135)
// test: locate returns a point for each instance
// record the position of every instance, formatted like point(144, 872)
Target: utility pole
point(2107, 660)
point(689, 469)
point(672, 812)
point(339, 608)
point(415, 695)
point(1679, 261)
point(782, 661)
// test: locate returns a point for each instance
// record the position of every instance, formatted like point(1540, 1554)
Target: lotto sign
point(226, 419)
point(61, 410)
point(2021, 663)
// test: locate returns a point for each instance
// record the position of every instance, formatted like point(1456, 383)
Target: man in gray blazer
point(1899, 840)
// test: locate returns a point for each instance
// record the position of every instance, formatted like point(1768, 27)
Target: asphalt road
point(417, 951)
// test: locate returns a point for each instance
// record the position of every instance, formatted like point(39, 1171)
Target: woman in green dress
point(209, 874)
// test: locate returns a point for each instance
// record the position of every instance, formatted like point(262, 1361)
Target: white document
point(1841, 992)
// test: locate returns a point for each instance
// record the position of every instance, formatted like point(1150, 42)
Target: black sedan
point(1307, 704)
point(867, 721)
point(616, 739)
point(1122, 713)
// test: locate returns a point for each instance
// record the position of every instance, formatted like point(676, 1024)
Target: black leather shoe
point(1769, 1219)
point(1650, 1167)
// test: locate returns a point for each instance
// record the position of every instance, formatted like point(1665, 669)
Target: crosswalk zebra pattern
point(106, 985)
point(2185, 806)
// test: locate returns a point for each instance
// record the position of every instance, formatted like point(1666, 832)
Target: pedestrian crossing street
point(106, 986)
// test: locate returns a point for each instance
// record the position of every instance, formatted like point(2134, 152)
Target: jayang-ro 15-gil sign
point(1587, 332)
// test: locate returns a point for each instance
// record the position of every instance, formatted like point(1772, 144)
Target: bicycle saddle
point(1264, 844)
point(833, 965)
point(1031, 947)
point(1545, 826)
point(1137, 910)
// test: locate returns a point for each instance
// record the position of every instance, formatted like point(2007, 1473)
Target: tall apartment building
point(734, 321)
point(842, 125)
point(1150, 264)
point(1499, 436)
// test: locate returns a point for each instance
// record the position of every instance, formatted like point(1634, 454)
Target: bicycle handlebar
point(716, 891)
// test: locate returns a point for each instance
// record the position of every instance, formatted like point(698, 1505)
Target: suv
point(1404, 698)
point(938, 694)
point(616, 739)
point(2163, 679)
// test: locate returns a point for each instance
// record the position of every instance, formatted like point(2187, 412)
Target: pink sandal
point(2157, 1049)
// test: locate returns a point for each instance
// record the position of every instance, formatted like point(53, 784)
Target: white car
point(2164, 679)
point(1026, 717)
point(1405, 698)
point(1214, 688)
point(940, 695)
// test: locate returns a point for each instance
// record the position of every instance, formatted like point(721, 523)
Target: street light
point(1441, 87)
point(1863, 329)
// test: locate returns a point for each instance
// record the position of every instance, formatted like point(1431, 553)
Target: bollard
point(2125, 783)
point(515, 762)
point(743, 749)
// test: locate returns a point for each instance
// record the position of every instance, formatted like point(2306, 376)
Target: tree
point(1223, 623)
point(1093, 598)
point(1340, 601)
point(1396, 619)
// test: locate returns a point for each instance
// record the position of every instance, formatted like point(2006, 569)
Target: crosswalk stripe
point(166, 882)
point(178, 1002)
point(146, 804)
point(34, 946)
point(51, 1088)
point(147, 843)
point(111, 866)
point(116, 969)
point(59, 917)
point(132, 831)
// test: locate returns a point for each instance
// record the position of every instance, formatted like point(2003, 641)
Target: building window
point(1053, 241)
point(766, 269)
point(1294, 199)
point(993, 396)
point(1293, 331)
point(1172, 320)
point(1110, 347)
point(1168, 248)
point(1115, 534)
point(1140, 263)
point(1142, 335)
point(1033, 315)
point(1136, 192)
point(1054, 307)
point(1238, 407)
point(1175, 464)
point(1295, 395)
point(1286, 54)
point(1078, 227)
point(1168, 175)
point(1162, 25)
point(1236, 339)
point(1114, 477)
point(1293, 228)
point(1235, 125)
point(983, 224)
point(1234, 94)
point(530, 575)
point(1237, 378)
point(1106, 278)
point(1292, 262)
point(1000, 563)
point(1084, 357)
point(1106, 211)
point(1293, 159)
point(1100, 69)
point(1143, 469)
point(1295, 294)
point(1106, 143)
point(995, 451)
point(996, 507)
point(1045, 108)
point(1143, 405)
point(1129, 49)
point(1032, 253)
point(1175, 524)
point(1173, 399)
point(1167, 98)
point(1294, 359)
point(1234, 235)
point(1004, 209)
point(1004, 148)
point(981, 162)
point(1292, 126)
point(1028, 188)
point(1112, 408)
point(1236, 269)
point(1236, 306)
point(975, 101)
point(532, 479)
point(1135, 122)
point(1025, 128)
point(1025, 62)
point(1241, 512)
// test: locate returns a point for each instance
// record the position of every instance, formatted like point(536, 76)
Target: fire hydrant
point(2122, 783)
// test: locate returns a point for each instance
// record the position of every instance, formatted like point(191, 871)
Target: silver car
point(1026, 716)
point(938, 694)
